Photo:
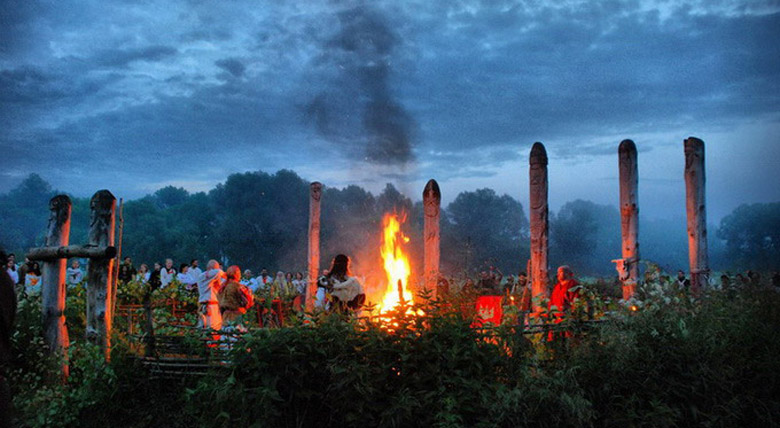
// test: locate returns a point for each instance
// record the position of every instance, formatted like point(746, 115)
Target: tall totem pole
point(696, 208)
point(629, 217)
point(315, 195)
point(432, 210)
point(538, 213)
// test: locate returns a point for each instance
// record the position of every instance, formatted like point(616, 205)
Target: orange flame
point(396, 262)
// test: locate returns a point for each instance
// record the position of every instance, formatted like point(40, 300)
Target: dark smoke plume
point(358, 110)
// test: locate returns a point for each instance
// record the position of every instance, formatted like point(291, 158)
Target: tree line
point(260, 220)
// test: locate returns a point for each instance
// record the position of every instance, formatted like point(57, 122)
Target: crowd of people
point(224, 296)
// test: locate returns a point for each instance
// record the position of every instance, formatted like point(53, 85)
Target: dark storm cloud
point(232, 66)
point(463, 88)
point(563, 73)
point(358, 108)
point(123, 57)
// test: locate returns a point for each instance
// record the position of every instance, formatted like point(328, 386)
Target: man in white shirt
point(167, 273)
point(209, 285)
point(194, 270)
point(264, 280)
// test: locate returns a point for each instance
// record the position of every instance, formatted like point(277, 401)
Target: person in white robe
point(209, 286)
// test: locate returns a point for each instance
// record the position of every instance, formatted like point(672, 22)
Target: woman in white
point(299, 284)
point(143, 274)
point(10, 267)
point(347, 293)
point(32, 280)
point(75, 275)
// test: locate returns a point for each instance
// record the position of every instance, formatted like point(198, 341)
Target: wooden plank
point(52, 253)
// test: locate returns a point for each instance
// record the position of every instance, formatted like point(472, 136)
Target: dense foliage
point(258, 220)
point(752, 235)
point(677, 361)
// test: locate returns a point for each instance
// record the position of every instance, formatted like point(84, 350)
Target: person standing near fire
point(234, 298)
point(209, 286)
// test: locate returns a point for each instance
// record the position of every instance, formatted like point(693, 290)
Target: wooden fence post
point(53, 289)
point(99, 278)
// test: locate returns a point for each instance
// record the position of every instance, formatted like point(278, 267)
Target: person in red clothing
point(565, 292)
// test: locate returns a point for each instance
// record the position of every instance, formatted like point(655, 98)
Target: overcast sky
point(132, 96)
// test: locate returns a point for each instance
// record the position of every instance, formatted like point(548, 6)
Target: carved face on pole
point(431, 205)
point(316, 190)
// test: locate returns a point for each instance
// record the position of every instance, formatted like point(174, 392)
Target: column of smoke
point(367, 125)
point(356, 110)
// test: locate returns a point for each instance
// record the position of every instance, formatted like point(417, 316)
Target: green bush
point(676, 361)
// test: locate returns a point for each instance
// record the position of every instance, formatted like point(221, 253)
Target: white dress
point(32, 283)
point(13, 274)
point(346, 290)
point(74, 276)
point(209, 284)
point(166, 276)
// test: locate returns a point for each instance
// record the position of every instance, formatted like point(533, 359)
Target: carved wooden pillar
point(695, 181)
point(55, 332)
point(315, 195)
point(629, 216)
point(99, 286)
point(432, 211)
point(538, 214)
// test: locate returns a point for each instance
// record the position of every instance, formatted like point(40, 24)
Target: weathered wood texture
point(629, 216)
point(696, 207)
point(55, 253)
point(55, 332)
point(99, 273)
point(538, 214)
point(315, 195)
point(432, 234)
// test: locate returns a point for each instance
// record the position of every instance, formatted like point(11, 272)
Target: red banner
point(489, 310)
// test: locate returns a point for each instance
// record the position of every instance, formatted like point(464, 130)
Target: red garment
point(563, 295)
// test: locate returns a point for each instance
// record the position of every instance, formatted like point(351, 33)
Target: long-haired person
point(347, 292)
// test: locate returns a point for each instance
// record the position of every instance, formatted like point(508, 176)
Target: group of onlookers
point(161, 275)
point(27, 274)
